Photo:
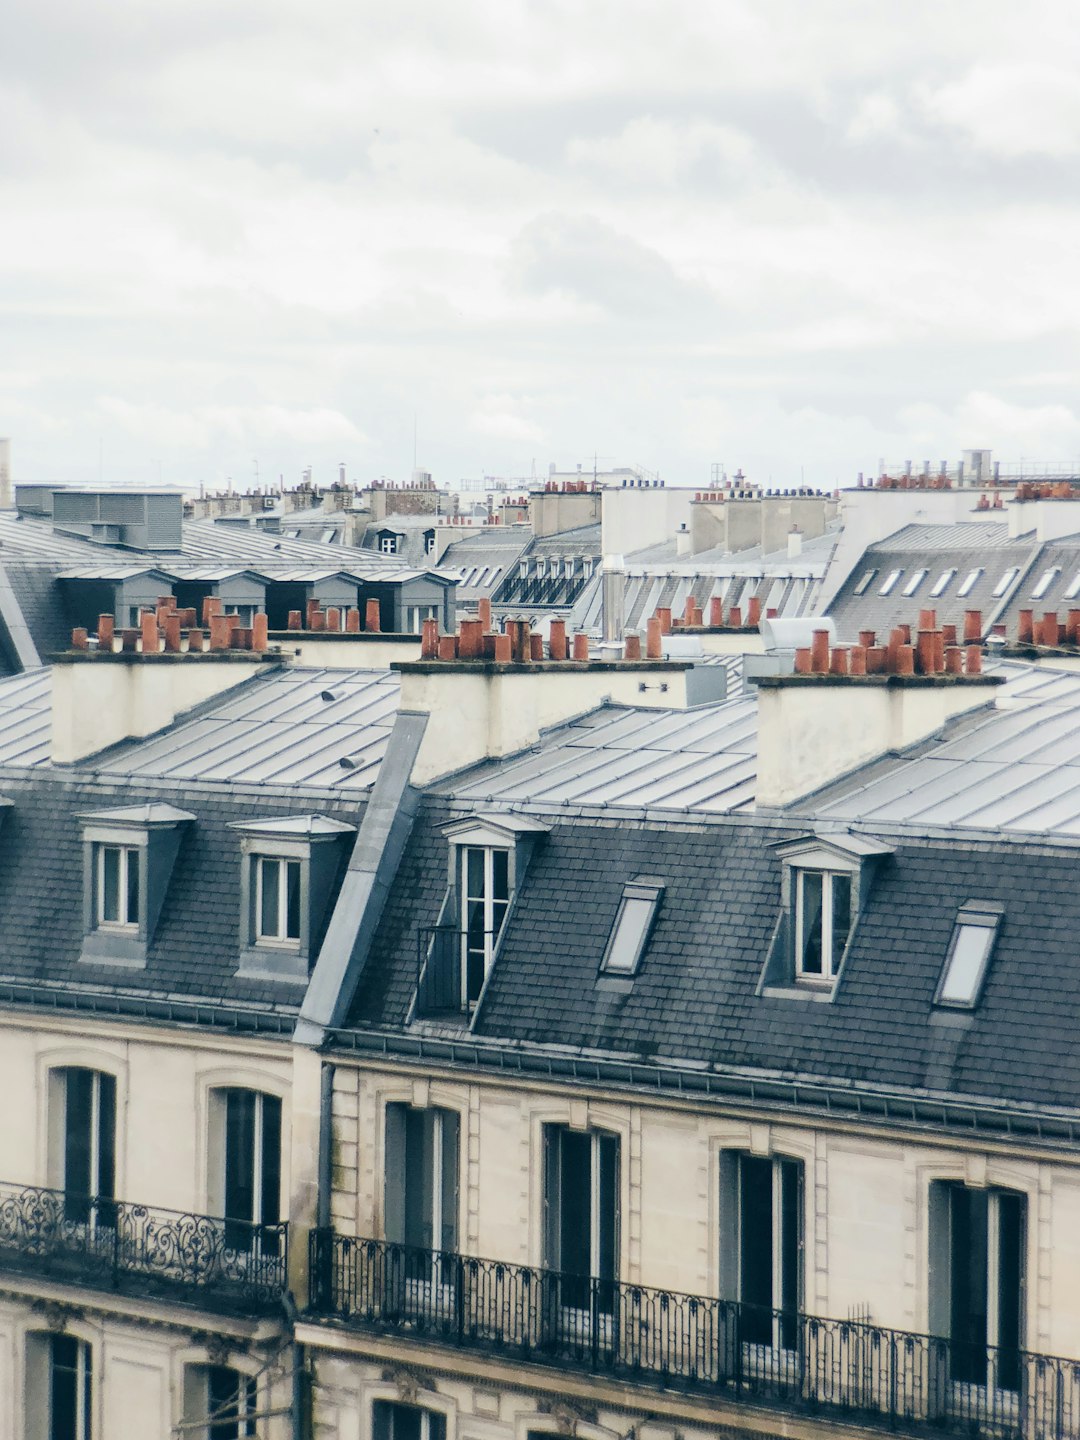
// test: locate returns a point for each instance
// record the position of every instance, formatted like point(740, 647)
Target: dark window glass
point(292, 900)
point(110, 884)
point(268, 913)
point(69, 1388)
point(811, 922)
point(841, 918)
point(391, 1421)
point(230, 1403)
point(756, 1248)
point(1010, 1288)
point(968, 1320)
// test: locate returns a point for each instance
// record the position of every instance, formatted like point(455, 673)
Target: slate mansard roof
point(195, 950)
point(694, 1000)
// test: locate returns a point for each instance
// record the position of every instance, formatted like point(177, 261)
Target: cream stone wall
point(866, 1192)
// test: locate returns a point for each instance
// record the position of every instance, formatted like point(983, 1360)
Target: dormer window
point(822, 923)
point(128, 856)
point(289, 866)
point(117, 901)
point(277, 900)
point(389, 542)
point(823, 885)
point(488, 858)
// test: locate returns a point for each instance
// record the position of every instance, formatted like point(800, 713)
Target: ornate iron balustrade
point(115, 1245)
point(836, 1368)
point(444, 958)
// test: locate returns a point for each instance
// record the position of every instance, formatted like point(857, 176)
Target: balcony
point(838, 1369)
point(450, 968)
point(224, 1265)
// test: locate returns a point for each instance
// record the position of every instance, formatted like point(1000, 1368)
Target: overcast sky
point(791, 235)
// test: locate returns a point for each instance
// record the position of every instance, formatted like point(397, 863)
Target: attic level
point(135, 519)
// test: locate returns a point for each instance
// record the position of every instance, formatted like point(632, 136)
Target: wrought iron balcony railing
point(785, 1359)
point(450, 968)
point(115, 1245)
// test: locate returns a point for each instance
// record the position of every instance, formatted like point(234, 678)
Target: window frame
point(641, 890)
point(973, 915)
point(1008, 578)
point(915, 580)
point(129, 867)
point(892, 579)
point(1045, 582)
point(866, 579)
point(281, 935)
point(831, 961)
point(942, 583)
point(970, 580)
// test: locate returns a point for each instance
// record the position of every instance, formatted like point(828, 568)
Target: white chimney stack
point(6, 499)
point(794, 543)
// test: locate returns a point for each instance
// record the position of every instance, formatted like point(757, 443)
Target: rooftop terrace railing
point(230, 1265)
point(660, 1338)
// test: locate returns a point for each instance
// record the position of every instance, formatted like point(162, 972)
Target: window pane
point(1005, 581)
point(474, 872)
point(606, 1262)
point(841, 918)
point(77, 1132)
point(890, 580)
point(292, 904)
point(966, 964)
point(756, 1248)
point(106, 1167)
point(865, 582)
point(64, 1388)
point(270, 873)
point(419, 1190)
point(629, 933)
point(240, 1155)
point(971, 579)
point(968, 1266)
point(941, 584)
point(790, 1226)
point(1010, 1273)
point(131, 859)
point(271, 1160)
point(575, 1202)
point(500, 874)
point(914, 583)
point(1045, 581)
point(110, 884)
point(810, 887)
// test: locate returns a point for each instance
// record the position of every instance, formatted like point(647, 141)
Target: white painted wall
point(632, 519)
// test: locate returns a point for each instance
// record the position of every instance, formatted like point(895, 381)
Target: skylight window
point(971, 579)
point(1006, 581)
point(890, 582)
point(969, 954)
point(914, 583)
point(865, 582)
point(942, 583)
point(1074, 587)
point(1046, 579)
point(633, 922)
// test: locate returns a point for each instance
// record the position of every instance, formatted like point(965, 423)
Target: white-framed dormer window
point(289, 866)
point(822, 923)
point(277, 900)
point(129, 854)
point(488, 856)
point(824, 883)
point(388, 542)
point(116, 900)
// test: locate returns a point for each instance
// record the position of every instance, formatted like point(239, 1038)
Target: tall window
point(219, 1403)
point(581, 1198)
point(391, 1421)
point(246, 1136)
point(977, 1281)
point(388, 543)
point(822, 922)
point(59, 1388)
point(277, 899)
point(117, 886)
point(83, 1142)
point(761, 1245)
point(485, 896)
point(415, 615)
point(422, 1177)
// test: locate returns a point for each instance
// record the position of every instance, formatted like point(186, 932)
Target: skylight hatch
point(633, 924)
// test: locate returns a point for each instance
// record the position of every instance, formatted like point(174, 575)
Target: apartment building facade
point(580, 1091)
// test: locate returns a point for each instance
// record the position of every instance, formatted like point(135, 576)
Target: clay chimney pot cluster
point(935, 652)
point(165, 627)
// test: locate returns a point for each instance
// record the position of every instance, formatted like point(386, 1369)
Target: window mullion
point(436, 1179)
point(828, 963)
point(594, 1203)
point(94, 1138)
point(257, 1161)
point(777, 1247)
point(993, 1272)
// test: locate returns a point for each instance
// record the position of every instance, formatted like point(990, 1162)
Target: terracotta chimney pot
point(802, 660)
point(536, 647)
point(819, 652)
point(734, 618)
point(857, 660)
point(448, 647)
point(316, 619)
point(80, 640)
point(483, 612)
point(106, 630)
point(753, 613)
point(972, 627)
point(333, 619)
point(632, 647)
point(973, 660)
point(148, 630)
point(260, 631)
point(129, 640)
point(927, 620)
point(663, 614)
point(581, 647)
point(557, 640)
point(1050, 633)
point(1025, 632)
point(716, 612)
point(312, 611)
point(654, 641)
point(838, 663)
point(371, 617)
point(172, 633)
point(954, 660)
point(220, 631)
point(429, 639)
point(867, 638)
point(905, 660)
point(352, 621)
point(295, 619)
point(195, 642)
point(876, 659)
point(470, 640)
point(1072, 627)
point(502, 649)
point(948, 635)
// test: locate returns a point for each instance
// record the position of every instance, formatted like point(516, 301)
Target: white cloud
point(1012, 110)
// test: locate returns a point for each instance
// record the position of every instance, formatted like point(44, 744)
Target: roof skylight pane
point(1045, 581)
point(971, 579)
point(1006, 580)
point(890, 581)
point(942, 583)
point(631, 929)
point(960, 983)
point(914, 583)
point(864, 583)
point(1074, 587)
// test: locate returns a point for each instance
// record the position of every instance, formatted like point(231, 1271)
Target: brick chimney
point(846, 706)
point(103, 696)
point(488, 695)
